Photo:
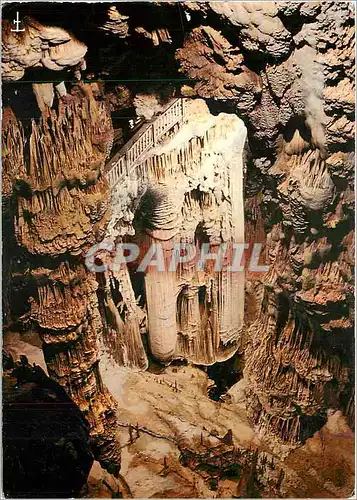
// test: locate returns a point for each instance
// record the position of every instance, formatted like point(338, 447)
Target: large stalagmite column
point(160, 283)
point(161, 291)
point(192, 183)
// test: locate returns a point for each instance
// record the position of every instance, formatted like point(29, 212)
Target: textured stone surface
point(38, 46)
point(301, 126)
point(60, 203)
point(185, 315)
point(286, 69)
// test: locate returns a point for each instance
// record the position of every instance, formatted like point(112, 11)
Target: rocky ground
point(172, 412)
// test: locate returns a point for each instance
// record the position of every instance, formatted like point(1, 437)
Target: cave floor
point(172, 411)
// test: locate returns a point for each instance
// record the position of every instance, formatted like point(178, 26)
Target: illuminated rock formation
point(41, 47)
point(300, 122)
point(191, 192)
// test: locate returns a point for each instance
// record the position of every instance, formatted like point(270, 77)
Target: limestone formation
point(190, 312)
point(53, 182)
point(116, 22)
point(305, 207)
point(209, 123)
point(38, 46)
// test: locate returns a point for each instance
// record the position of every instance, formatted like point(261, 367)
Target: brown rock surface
point(38, 46)
point(286, 69)
point(60, 201)
point(302, 126)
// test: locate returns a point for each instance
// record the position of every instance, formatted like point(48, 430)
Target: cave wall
point(46, 440)
point(287, 70)
point(57, 203)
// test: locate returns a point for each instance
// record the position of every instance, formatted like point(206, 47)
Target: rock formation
point(57, 199)
point(38, 46)
point(296, 361)
point(190, 311)
point(263, 153)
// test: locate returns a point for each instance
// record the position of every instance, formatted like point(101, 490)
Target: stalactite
point(57, 219)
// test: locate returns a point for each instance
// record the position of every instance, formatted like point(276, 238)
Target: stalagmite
point(161, 303)
point(205, 156)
